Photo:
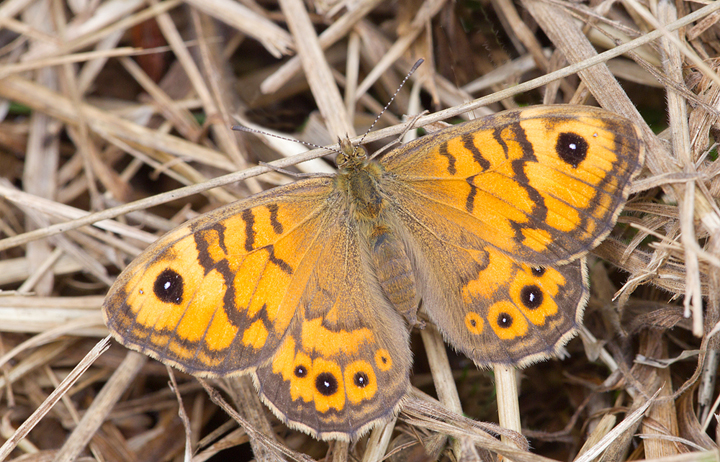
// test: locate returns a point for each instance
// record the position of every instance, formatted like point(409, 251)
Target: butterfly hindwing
point(280, 284)
point(345, 362)
point(490, 307)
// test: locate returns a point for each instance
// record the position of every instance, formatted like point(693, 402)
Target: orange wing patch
point(315, 337)
point(491, 277)
point(507, 321)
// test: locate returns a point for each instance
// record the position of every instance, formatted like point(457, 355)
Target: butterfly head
point(350, 157)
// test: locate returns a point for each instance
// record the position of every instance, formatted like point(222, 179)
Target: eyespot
point(538, 271)
point(300, 371)
point(326, 384)
point(531, 296)
point(507, 321)
point(360, 379)
point(504, 320)
point(168, 287)
point(571, 148)
point(383, 361)
point(474, 323)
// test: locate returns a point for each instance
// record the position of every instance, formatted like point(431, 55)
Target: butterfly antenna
point(412, 71)
point(242, 128)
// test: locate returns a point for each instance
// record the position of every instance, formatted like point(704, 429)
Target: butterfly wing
point(344, 364)
point(492, 308)
point(543, 184)
point(215, 296)
point(277, 282)
point(498, 213)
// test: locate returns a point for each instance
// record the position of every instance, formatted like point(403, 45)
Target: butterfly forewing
point(216, 296)
point(544, 184)
point(280, 283)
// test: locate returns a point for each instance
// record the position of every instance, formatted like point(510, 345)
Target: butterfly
point(313, 287)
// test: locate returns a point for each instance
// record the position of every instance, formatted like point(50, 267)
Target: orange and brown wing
point(216, 295)
point(278, 285)
point(543, 184)
point(344, 364)
point(492, 308)
point(499, 213)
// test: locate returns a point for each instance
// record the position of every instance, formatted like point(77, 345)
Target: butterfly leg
point(394, 272)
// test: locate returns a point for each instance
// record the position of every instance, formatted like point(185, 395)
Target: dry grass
point(117, 114)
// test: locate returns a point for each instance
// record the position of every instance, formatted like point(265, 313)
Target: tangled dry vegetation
point(116, 126)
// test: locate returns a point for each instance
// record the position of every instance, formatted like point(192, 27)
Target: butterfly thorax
point(364, 192)
point(359, 179)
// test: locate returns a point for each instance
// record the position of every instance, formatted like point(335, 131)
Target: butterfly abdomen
point(394, 272)
point(390, 261)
